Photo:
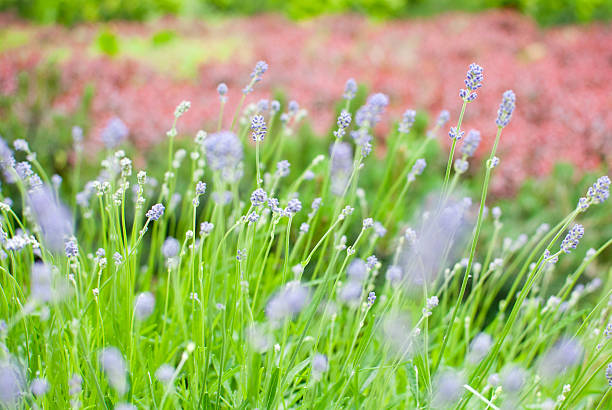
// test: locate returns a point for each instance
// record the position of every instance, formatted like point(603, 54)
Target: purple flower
point(253, 217)
point(455, 134)
point(114, 366)
point(371, 262)
point(369, 114)
point(320, 363)
point(114, 133)
point(206, 228)
point(282, 168)
point(572, 238)
point(260, 68)
point(506, 108)
point(171, 247)
point(600, 191)
point(443, 118)
point(379, 229)
point(222, 90)
point(144, 305)
point(350, 89)
point(259, 197)
point(407, 122)
point(341, 154)
point(417, 169)
point(473, 81)
point(224, 153)
point(258, 128)
point(461, 165)
point(263, 105)
point(344, 120)
point(200, 188)
point(394, 274)
point(293, 107)
point(155, 212)
point(53, 218)
point(293, 207)
point(371, 298)
point(471, 142)
point(357, 270)
point(72, 250)
point(288, 302)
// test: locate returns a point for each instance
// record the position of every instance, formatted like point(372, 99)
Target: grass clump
point(236, 280)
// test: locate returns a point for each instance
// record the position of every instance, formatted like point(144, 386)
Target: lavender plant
point(243, 280)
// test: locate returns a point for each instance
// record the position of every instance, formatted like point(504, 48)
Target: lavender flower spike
point(260, 68)
point(443, 118)
point(471, 142)
point(350, 89)
point(155, 212)
point(258, 128)
point(473, 82)
point(115, 132)
point(407, 122)
point(572, 238)
point(506, 108)
point(600, 191)
point(371, 298)
point(344, 120)
point(222, 91)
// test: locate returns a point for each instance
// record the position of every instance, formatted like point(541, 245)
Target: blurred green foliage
point(68, 12)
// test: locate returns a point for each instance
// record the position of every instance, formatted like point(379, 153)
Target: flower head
point(572, 238)
point(164, 373)
point(53, 218)
point(417, 169)
point(461, 165)
point(11, 383)
point(407, 122)
point(443, 118)
point(200, 188)
point(470, 143)
point(182, 108)
point(258, 128)
point(260, 68)
point(600, 191)
point(506, 108)
point(473, 81)
point(222, 91)
point(289, 301)
point(344, 120)
point(113, 364)
point(350, 89)
point(341, 154)
point(144, 305)
point(320, 363)
point(293, 207)
point(72, 250)
point(456, 134)
point(39, 387)
point(171, 247)
point(155, 212)
point(282, 168)
point(115, 132)
point(369, 114)
point(224, 153)
point(259, 197)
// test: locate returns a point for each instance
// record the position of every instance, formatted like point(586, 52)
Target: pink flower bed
point(562, 78)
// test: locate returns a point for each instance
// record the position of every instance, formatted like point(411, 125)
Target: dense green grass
point(267, 314)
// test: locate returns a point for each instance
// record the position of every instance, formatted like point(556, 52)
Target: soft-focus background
point(67, 62)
